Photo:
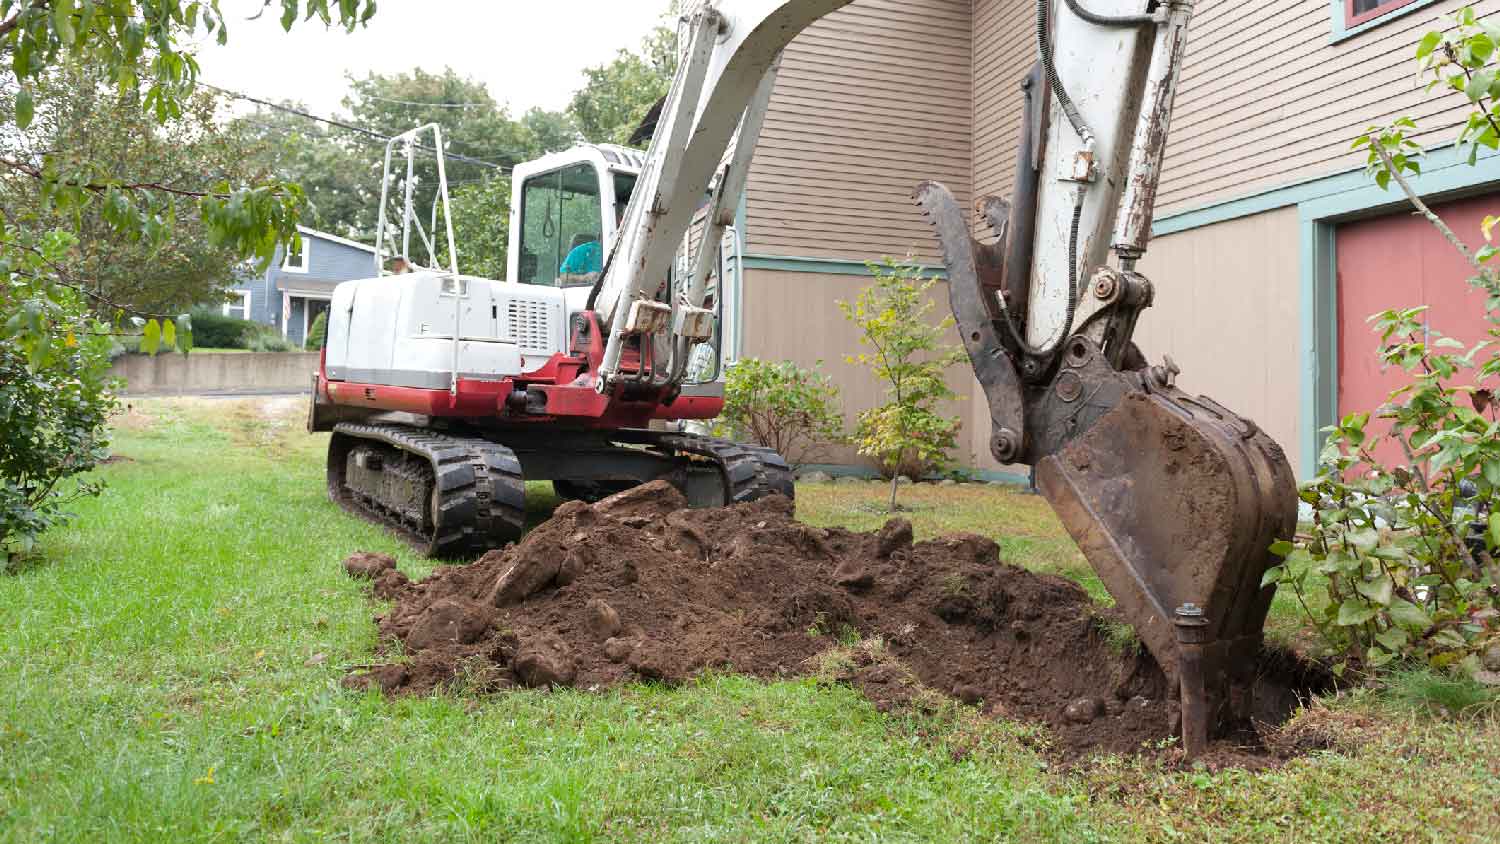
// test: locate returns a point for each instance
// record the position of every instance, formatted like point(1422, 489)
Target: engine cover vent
point(530, 324)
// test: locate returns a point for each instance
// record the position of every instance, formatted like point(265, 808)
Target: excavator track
point(449, 496)
point(749, 472)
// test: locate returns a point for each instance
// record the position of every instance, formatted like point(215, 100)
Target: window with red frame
point(1357, 12)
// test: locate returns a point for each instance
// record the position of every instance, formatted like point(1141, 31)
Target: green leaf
point(1409, 615)
point(1353, 613)
point(25, 106)
point(184, 333)
point(1383, 179)
point(1451, 639)
point(1429, 42)
point(1281, 548)
point(1272, 575)
point(1392, 639)
point(1364, 539)
point(1378, 591)
point(151, 339)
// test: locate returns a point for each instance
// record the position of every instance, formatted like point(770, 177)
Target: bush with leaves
point(53, 407)
point(317, 333)
point(214, 330)
point(267, 339)
point(907, 435)
point(1399, 562)
point(781, 406)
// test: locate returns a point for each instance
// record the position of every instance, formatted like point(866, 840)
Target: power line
point(360, 130)
point(427, 105)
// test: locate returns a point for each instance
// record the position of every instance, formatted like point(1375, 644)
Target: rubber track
point(482, 496)
point(750, 472)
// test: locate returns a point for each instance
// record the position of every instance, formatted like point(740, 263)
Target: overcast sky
point(529, 52)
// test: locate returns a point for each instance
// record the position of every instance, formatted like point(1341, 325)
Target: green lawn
point(170, 668)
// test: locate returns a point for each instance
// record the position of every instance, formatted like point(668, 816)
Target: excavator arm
point(1173, 499)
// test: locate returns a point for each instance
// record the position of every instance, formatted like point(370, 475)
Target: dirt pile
point(638, 587)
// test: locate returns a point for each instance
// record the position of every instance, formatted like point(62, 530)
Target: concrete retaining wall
point(197, 374)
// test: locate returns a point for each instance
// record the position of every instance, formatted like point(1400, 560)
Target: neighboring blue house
point(293, 291)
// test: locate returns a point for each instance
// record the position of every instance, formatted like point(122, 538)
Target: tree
point(54, 328)
point(906, 435)
point(79, 113)
point(481, 226)
point(1400, 561)
point(618, 95)
point(782, 406)
point(338, 170)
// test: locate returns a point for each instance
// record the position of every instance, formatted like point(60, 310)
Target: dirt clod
point(364, 565)
point(603, 620)
point(545, 662)
point(637, 587)
point(523, 578)
point(448, 621)
point(895, 536)
point(1084, 710)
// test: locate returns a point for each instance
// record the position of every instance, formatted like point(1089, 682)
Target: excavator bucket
point(1175, 502)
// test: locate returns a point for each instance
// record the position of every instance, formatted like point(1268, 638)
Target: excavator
point(444, 392)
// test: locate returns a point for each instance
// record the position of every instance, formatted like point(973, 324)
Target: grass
point(171, 662)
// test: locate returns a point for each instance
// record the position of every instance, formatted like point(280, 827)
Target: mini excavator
point(444, 392)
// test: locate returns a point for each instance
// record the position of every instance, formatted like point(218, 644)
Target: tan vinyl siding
point(795, 316)
point(1266, 101)
point(1227, 311)
point(870, 101)
point(1004, 51)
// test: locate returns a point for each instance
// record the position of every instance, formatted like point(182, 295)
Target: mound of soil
point(639, 587)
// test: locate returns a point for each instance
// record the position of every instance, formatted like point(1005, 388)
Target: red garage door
point(1399, 261)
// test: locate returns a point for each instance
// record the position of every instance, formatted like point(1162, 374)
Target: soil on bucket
point(638, 587)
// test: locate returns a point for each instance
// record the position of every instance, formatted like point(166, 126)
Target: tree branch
point(14, 20)
point(61, 278)
point(96, 187)
point(1416, 201)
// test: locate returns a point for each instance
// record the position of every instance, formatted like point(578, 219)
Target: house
point(295, 289)
point(1271, 245)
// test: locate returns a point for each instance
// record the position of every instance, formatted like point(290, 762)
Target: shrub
point(317, 333)
point(907, 435)
point(53, 414)
point(213, 330)
point(783, 407)
point(1399, 562)
point(265, 339)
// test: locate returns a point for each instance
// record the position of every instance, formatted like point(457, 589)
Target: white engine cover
point(398, 330)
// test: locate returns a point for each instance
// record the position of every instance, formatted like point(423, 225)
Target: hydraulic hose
point(1109, 20)
point(1044, 46)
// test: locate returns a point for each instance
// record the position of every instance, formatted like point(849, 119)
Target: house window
point(298, 263)
point(239, 306)
point(1357, 12)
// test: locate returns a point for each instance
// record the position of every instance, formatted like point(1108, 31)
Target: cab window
point(561, 216)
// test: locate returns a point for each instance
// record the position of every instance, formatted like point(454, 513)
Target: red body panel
point(567, 381)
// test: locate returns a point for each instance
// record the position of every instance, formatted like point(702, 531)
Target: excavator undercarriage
point(460, 491)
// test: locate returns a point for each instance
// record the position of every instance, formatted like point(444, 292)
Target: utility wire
point(359, 130)
point(427, 105)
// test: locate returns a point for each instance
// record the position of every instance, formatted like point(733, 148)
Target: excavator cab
point(565, 212)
